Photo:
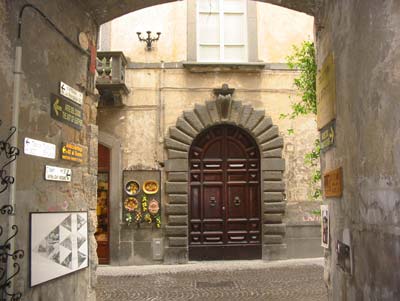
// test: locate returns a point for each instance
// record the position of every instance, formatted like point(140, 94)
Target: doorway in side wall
point(103, 205)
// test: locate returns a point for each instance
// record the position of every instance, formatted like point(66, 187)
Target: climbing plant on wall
point(303, 60)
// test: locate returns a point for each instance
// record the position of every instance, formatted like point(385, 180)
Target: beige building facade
point(179, 75)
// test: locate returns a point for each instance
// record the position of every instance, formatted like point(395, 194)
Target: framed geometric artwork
point(58, 244)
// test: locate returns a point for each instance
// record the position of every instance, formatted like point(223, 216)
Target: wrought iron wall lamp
point(149, 40)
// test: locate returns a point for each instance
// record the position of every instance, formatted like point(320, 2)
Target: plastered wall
point(364, 39)
point(158, 97)
point(277, 30)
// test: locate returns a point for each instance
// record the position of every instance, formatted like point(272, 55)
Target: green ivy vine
point(303, 59)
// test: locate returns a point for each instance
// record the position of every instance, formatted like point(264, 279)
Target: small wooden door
point(224, 196)
point(103, 208)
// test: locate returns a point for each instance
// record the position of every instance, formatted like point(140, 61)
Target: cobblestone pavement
point(299, 280)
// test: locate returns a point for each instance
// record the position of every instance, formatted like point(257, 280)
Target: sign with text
point(72, 152)
point(328, 136)
point(39, 148)
point(326, 92)
point(66, 112)
point(61, 174)
point(71, 93)
point(333, 183)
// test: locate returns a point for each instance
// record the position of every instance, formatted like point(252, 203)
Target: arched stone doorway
point(224, 195)
point(257, 125)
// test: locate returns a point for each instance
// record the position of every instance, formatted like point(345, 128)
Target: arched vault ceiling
point(106, 10)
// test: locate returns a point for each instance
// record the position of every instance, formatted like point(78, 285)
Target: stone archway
point(178, 141)
point(115, 8)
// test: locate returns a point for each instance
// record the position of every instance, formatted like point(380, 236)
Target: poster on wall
point(325, 226)
point(58, 244)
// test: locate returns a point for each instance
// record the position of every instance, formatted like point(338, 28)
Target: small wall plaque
point(326, 92)
point(60, 174)
point(328, 136)
point(72, 152)
point(39, 148)
point(333, 183)
point(66, 112)
point(71, 93)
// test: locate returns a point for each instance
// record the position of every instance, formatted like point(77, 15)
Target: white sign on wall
point(71, 93)
point(39, 148)
point(54, 173)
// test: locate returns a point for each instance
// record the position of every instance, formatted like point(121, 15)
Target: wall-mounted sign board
point(39, 148)
point(66, 112)
point(71, 93)
point(333, 183)
point(61, 174)
point(328, 136)
point(72, 152)
point(326, 92)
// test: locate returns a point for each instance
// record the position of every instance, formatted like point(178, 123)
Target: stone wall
point(48, 59)
point(364, 38)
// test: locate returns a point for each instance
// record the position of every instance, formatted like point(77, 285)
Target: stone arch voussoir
point(178, 142)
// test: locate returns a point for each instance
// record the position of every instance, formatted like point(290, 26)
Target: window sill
point(193, 66)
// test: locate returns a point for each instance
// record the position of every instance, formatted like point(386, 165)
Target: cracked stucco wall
point(364, 38)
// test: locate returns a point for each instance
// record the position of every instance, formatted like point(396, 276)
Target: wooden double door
point(224, 196)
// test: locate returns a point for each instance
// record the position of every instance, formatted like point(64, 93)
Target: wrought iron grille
point(9, 258)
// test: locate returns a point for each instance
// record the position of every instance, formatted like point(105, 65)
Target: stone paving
point(299, 280)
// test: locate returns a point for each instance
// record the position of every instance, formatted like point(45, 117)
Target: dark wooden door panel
point(225, 205)
point(212, 202)
point(237, 203)
point(195, 203)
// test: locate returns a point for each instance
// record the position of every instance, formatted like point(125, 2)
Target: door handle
point(213, 202)
point(237, 201)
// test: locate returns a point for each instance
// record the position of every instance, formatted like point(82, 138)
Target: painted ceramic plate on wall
point(131, 204)
point(132, 188)
point(154, 207)
point(150, 187)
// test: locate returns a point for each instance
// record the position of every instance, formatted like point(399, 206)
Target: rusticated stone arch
point(111, 9)
point(178, 142)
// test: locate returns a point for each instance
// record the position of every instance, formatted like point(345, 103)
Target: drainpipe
point(14, 142)
point(160, 116)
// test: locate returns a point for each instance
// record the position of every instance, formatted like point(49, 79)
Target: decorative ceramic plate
point(150, 187)
point(132, 188)
point(131, 204)
point(154, 207)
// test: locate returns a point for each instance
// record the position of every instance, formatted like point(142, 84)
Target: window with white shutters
point(221, 31)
